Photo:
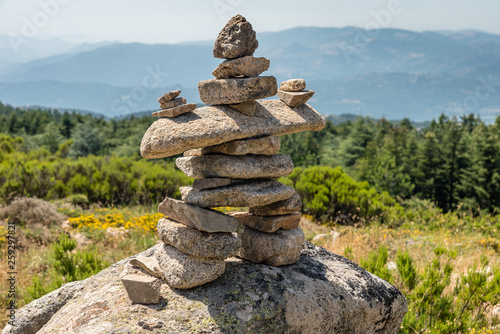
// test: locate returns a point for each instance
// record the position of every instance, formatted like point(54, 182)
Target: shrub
point(29, 211)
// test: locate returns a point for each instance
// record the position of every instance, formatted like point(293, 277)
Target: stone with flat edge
point(236, 167)
point(237, 90)
point(246, 108)
point(295, 99)
point(174, 103)
point(199, 244)
point(210, 126)
point(293, 85)
point(149, 264)
point(142, 289)
point(199, 218)
point(261, 146)
point(288, 206)
point(236, 39)
point(183, 271)
point(169, 96)
point(174, 112)
point(238, 196)
point(246, 66)
point(276, 249)
point(268, 224)
point(215, 182)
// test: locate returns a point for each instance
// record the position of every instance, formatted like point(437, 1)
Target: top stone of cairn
point(237, 39)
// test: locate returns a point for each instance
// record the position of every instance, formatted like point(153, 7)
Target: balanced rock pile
point(172, 106)
point(231, 149)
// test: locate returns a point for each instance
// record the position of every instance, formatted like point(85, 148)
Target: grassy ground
point(117, 233)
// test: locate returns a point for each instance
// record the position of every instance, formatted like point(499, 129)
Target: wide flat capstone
point(215, 125)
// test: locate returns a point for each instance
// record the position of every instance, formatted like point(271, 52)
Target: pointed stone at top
point(237, 39)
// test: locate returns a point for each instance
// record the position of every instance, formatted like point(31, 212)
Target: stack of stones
point(172, 106)
point(235, 167)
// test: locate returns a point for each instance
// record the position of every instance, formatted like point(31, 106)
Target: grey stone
point(236, 167)
point(183, 271)
point(276, 249)
point(238, 196)
point(261, 146)
point(201, 219)
point(236, 39)
point(322, 293)
point(246, 108)
point(200, 184)
point(246, 66)
point(142, 289)
point(293, 85)
point(174, 103)
point(290, 205)
point(295, 99)
point(238, 90)
point(210, 126)
point(174, 112)
point(199, 244)
point(268, 224)
point(149, 264)
point(169, 96)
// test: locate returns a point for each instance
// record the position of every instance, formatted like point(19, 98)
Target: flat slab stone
point(200, 184)
point(199, 244)
point(293, 85)
point(246, 108)
point(210, 126)
point(149, 264)
point(183, 271)
point(240, 195)
point(169, 96)
point(236, 39)
point(174, 103)
point(295, 99)
point(233, 91)
point(236, 167)
point(261, 146)
point(142, 289)
point(288, 206)
point(245, 66)
point(174, 112)
point(276, 249)
point(268, 224)
point(201, 219)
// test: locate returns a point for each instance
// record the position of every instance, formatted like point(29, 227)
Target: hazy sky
point(166, 21)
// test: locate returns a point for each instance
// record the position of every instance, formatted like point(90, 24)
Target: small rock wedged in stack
point(293, 92)
point(172, 106)
point(231, 149)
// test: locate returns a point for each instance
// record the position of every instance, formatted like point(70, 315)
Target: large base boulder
point(321, 293)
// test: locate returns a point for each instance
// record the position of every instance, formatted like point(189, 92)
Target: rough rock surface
point(238, 196)
point(169, 96)
point(322, 293)
point(236, 167)
point(246, 66)
point(262, 146)
point(269, 224)
point(293, 85)
point(200, 244)
point(276, 249)
point(201, 219)
point(183, 271)
point(295, 99)
point(233, 91)
point(142, 289)
point(236, 39)
point(174, 112)
point(246, 108)
point(215, 182)
point(210, 126)
point(149, 264)
point(290, 205)
point(174, 103)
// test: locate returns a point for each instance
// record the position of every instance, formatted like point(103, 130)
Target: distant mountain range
point(389, 73)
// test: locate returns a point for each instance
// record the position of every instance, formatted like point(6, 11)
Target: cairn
point(236, 166)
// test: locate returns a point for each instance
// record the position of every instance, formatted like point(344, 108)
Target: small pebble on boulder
point(142, 289)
